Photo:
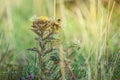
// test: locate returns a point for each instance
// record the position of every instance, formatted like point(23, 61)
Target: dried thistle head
point(44, 24)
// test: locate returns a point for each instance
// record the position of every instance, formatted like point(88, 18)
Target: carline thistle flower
point(45, 24)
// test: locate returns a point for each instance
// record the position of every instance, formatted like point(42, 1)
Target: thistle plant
point(47, 30)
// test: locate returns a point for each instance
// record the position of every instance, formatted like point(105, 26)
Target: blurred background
point(93, 24)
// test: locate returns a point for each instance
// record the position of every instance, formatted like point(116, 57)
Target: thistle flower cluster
point(44, 24)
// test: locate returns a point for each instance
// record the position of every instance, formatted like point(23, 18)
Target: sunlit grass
point(93, 32)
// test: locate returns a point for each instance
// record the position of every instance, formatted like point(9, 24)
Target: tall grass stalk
point(8, 29)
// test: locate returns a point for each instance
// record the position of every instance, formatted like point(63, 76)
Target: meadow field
point(59, 39)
